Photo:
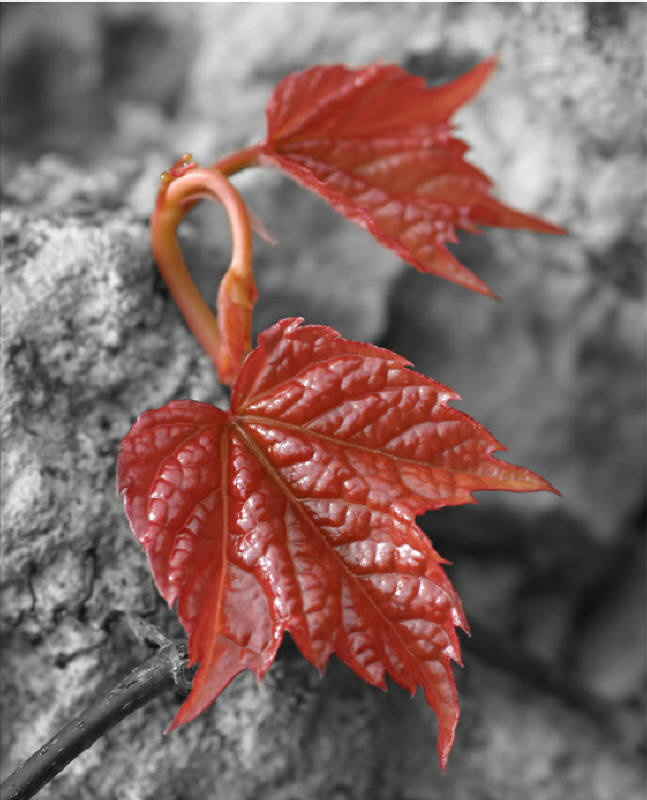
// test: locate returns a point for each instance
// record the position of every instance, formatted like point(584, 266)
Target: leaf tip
point(556, 230)
point(539, 484)
point(539, 225)
point(536, 483)
point(492, 295)
point(472, 82)
point(446, 734)
point(171, 728)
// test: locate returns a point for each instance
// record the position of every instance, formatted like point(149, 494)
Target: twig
point(162, 671)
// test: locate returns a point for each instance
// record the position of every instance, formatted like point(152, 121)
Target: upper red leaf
point(376, 144)
point(295, 511)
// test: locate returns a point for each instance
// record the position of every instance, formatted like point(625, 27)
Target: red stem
point(175, 199)
point(241, 159)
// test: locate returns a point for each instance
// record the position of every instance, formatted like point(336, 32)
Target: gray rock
point(90, 338)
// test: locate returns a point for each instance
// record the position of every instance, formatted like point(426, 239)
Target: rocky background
point(96, 101)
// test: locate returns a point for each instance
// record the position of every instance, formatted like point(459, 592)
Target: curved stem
point(232, 163)
point(160, 672)
point(226, 339)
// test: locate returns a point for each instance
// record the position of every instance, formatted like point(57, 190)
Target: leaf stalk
point(226, 338)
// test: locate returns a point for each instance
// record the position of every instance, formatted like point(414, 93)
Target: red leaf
point(295, 511)
point(376, 144)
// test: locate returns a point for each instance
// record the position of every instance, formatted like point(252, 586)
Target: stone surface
point(97, 100)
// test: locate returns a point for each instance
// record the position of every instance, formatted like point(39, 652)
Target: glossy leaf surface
point(376, 144)
point(295, 511)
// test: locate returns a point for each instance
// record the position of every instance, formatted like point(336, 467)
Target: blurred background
point(98, 99)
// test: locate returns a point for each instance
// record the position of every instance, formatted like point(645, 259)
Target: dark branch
point(162, 671)
point(167, 668)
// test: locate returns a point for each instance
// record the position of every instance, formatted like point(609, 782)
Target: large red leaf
point(295, 511)
point(376, 144)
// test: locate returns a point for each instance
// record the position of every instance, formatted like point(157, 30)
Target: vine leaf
point(376, 143)
point(295, 511)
